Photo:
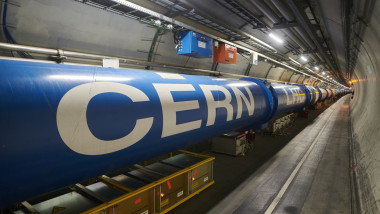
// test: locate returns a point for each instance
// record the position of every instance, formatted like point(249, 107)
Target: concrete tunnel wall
point(62, 24)
point(365, 117)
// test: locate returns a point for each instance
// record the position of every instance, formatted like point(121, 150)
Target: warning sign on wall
point(254, 58)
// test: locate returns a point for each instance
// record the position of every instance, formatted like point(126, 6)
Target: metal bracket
point(362, 20)
point(284, 24)
point(260, 26)
point(60, 57)
point(29, 207)
point(114, 184)
point(281, 75)
point(79, 188)
point(248, 69)
point(270, 68)
point(214, 66)
point(310, 51)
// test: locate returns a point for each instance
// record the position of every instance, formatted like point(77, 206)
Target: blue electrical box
point(194, 44)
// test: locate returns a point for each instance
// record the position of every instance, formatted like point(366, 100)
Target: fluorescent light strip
point(276, 38)
point(295, 61)
point(173, 21)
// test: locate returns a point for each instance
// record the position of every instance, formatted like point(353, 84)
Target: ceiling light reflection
point(88, 78)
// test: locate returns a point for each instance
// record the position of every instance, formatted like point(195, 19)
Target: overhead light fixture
point(157, 23)
point(316, 68)
point(294, 61)
point(304, 58)
point(276, 38)
point(324, 73)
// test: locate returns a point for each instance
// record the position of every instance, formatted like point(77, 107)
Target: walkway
point(309, 175)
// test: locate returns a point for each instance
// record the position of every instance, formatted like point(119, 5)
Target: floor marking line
point(282, 191)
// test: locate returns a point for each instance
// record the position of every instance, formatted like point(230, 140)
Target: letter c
point(72, 120)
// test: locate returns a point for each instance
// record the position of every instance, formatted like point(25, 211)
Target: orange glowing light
point(162, 195)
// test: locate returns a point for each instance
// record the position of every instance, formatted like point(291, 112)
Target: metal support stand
point(214, 66)
point(153, 45)
point(266, 75)
point(248, 69)
point(60, 57)
point(290, 77)
point(299, 78)
point(29, 207)
point(281, 75)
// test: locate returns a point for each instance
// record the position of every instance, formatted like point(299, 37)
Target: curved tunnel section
point(365, 116)
point(86, 121)
point(324, 94)
point(314, 94)
point(289, 98)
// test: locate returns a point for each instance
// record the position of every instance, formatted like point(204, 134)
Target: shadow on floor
point(230, 172)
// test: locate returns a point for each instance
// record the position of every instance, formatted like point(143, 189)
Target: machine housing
point(194, 44)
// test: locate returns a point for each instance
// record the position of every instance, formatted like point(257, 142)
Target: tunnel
point(92, 91)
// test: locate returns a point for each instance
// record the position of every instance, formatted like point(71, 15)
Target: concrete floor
point(305, 171)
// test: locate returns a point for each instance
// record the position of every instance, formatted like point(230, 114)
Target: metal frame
point(302, 21)
point(291, 77)
point(135, 11)
point(237, 8)
point(124, 62)
point(248, 69)
point(158, 183)
point(180, 25)
point(270, 68)
point(299, 78)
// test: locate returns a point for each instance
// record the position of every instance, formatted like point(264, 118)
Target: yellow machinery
point(154, 188)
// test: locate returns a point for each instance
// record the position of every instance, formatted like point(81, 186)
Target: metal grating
point(214, 26)
point(114, 7)
point(174, 7)
point(237, 8)
point(195, 17)
point(117, 8)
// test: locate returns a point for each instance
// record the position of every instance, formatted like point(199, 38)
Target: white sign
point(254, 58)
point(74, 130)
point(201, 44)
point(111, 63)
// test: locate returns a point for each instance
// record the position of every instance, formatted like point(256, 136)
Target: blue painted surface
point(289, 98)
point(35, 160)
point(314, 94)
point(36, 156)
point(329, 93)
point(194, 44)
point(324, 94)
point(320, 95)
point(339, 92)
point(272, 102)
point(308, 94)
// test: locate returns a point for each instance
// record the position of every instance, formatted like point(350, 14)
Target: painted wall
point(72, 25)
point(365, 117)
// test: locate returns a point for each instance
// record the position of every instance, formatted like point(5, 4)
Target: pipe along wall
point(63, 124)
